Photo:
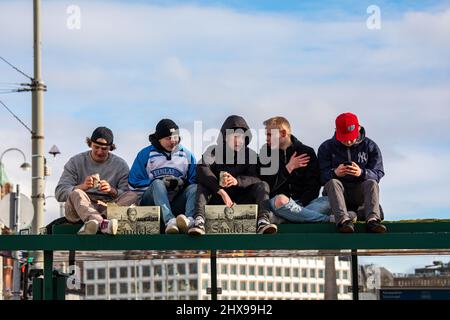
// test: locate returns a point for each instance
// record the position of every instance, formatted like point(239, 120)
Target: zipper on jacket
point(349, 154)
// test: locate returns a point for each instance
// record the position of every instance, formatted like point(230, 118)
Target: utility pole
point(37, 138)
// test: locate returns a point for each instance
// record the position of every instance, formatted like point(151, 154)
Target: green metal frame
point(401, 235)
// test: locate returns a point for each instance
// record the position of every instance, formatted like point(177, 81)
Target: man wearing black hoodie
point(241, 183)
point(292, 171)
point(351, 167)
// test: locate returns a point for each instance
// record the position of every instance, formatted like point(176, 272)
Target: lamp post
point(25, 165)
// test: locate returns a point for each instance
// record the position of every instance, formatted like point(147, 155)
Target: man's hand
point(105, 187)
point(353, 170)
point(87, 184)
point(230, 181)
point(341, 170)
point(297, 162)
point(226, 198)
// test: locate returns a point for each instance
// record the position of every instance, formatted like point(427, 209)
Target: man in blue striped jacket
point(164, 174)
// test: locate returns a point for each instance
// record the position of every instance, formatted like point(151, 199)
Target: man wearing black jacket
point(292, 171)
point(241, 184)
point(351, 166)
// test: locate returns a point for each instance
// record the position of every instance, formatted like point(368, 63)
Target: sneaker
point(89, 227)
point(109, 226)
point(184, 223)
point(374, 226)
point(171, 227)
point(346, 227)
point(264, 227)
point(353, 216)
point(198, 228)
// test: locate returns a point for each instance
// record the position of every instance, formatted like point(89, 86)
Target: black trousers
point(257, 193)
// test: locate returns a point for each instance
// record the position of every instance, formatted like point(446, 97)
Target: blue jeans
point(156, 195)
point(318, 210)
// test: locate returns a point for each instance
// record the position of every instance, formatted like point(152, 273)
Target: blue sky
point(134, 62)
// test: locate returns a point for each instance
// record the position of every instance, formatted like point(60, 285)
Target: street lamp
point(25, 165)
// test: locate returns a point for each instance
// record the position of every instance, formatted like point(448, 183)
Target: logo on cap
point(351, 128)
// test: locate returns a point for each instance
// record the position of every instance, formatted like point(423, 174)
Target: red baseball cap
point(347, 127)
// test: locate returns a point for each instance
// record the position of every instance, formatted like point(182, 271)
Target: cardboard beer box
point(135, 219)
point(240, 218)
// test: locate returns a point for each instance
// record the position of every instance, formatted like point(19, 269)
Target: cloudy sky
point(133, 62)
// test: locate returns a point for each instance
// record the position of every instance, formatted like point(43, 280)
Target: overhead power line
point(18, 119)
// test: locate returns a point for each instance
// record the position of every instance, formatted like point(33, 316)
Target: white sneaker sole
point(114, 227)
point(172, 230)
point(90, 227)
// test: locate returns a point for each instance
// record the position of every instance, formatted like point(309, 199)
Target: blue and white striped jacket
point(151, 164)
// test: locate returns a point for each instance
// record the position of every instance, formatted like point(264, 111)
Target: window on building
point(123, 272)
point(183, 285)
point(170, 269)
point(112, 273)
point(224, 284)
point(321, 274)
point(296, 272)
point(252, 286)
point(345, 274)
point(101, 289)
point(205, 268)
point(181, 267)
point(313, 288)
point(171, 285)
point(312, 273)
point(157, 270)
point(158, 286)
point(270, 271)
point(146, 271)
point(132, 271)
point(305, 273)
point(233, 269)
point(296, 287)
point(321, 288)
point(305, 288)
point(204, 284)
point(270, 286)
point(224, 269)
point(101, 273)
point(251, 270)
point(123, 288)
point(192, 268)
point(287, 287)
point(90, 290)
point(243, 285)
point(146, 287)
point(287, 272)
point(279, 286)
point(193, 284)
point(278, 271)
point(242, 270)
point(90, 275)
point(337, 275)
point(133, 287)
point(113, 288)
point(233, 284)
point(261, 270)
point(261, 286)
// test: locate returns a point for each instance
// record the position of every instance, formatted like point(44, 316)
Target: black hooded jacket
point(242, 165)
point(302, 184)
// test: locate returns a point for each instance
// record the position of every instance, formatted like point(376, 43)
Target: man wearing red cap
point(351, 166)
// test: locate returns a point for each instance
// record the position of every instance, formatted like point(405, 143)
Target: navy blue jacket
point(365, 153)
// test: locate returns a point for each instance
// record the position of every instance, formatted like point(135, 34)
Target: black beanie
point(164, 128)
point(102, 133)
